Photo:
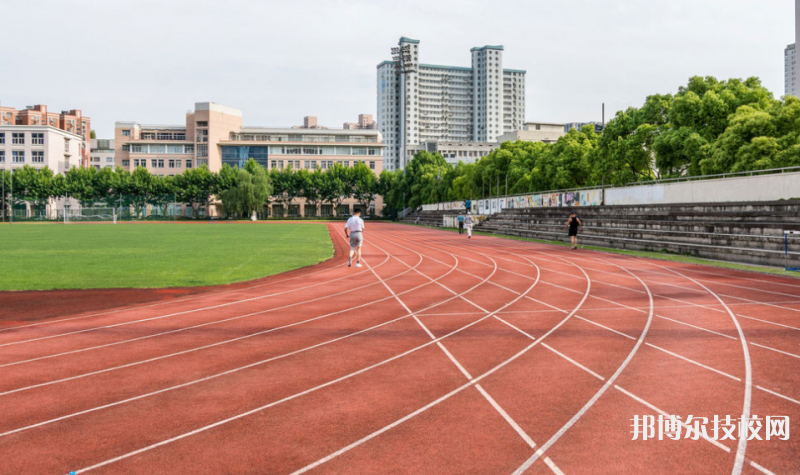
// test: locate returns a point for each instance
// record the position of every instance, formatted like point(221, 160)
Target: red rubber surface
point(440, 355)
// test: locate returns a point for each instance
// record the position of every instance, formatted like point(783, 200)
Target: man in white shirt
point(354, 229)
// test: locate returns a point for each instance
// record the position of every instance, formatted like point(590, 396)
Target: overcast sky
point(150, 61)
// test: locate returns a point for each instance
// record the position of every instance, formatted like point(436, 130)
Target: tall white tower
point(797, 40)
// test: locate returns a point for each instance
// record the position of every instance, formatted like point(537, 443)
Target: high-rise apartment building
point(790, 71)
point(796, 89)
point(419, 103)
point(71, 121)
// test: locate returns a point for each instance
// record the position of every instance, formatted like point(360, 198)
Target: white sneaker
point(358, 264)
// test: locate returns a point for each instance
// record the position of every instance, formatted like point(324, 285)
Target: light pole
point(11, 216)
point(603, 183)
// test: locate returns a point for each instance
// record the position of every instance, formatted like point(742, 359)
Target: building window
point(37, 156)
point(160, 163)
point(164, 136)
point(153, 163)
point(126, 148)
point(148, 136)
point(126, 163)
point(18, 138)
point(37, 139)
point(2, 138)
point(18, 156)
point(171, 163)
point(177, 163)
point(126, 133)
point(202, 151)
point(188, 164)
point(2, 156)
point(202, 124)
point(371, 165)
point(66, 145)
point(188, 149)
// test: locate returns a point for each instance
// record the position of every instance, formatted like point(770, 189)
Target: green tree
point(194, 187)
point(250, 192)
point(364, 185)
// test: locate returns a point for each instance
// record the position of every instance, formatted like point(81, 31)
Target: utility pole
point(4, 196)
point(11, 216)
point(603, 184)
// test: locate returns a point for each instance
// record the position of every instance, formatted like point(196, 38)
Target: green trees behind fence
point(708, 127)
point(242, 191)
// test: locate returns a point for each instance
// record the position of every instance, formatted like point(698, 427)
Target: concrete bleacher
point(740, 232)
point(428, 218)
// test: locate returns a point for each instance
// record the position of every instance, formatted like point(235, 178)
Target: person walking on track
point(573, 227)
point(460, 223)
point(468, 222)
point(354, 230)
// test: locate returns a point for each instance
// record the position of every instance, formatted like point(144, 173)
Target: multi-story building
point(418, 103)
point(213, 136)
point(598, 127)
point(535, 132)
point(171, 149)
point(101, 154)
point(71, 121)
point(39, 146)
point(365, 122)
point(790, 71)
point(454, 152)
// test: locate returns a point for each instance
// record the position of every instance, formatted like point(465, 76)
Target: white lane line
point(688, 428)
point(456, 391)
point(699, 328)
point(776, 351)
point(463, 370)
point(332, 382)
point(607, 328)
point(212, 345)
point(159, 317)
point(694, 362)
point(740, 454)
point(761, 468)
point(710, 307)
point(766, 321)
point(540, 452)
point(508, 418)
point(197, 381)
point(158, 304)
point(573, 362)
point(214, 322)
point(748, 372)
point(779, 395)
point(234, 370)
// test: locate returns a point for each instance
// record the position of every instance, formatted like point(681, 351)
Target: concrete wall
point(749, 188)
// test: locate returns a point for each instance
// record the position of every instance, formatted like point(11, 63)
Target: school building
point(213, 135)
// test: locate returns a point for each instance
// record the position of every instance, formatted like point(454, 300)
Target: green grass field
point(52, 256)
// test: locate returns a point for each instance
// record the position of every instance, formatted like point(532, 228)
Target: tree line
point(242, 191)
point(707, 127)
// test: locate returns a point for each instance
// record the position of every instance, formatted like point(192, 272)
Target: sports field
point(53, 256)
point(440, 356)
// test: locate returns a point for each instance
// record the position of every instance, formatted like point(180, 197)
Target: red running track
point(441, 355)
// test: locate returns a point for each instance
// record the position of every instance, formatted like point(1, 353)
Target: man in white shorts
point(354, 230)
point(468, 222)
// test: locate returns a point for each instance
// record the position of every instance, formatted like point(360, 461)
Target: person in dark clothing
point(573, 227)
point(468, 205)
point(460, 223)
